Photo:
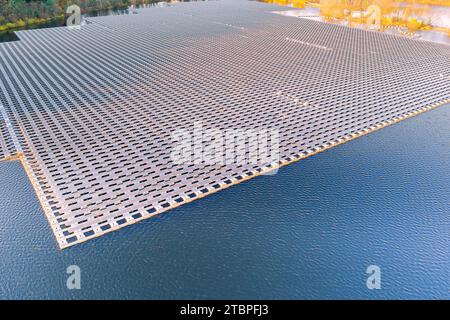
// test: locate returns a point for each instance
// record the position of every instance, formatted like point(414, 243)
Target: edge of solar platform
point(3, 148)
point(247, 176)
point(8, 145)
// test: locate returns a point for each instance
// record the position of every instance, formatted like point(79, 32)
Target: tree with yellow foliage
point(300, 4)
point(332, 9)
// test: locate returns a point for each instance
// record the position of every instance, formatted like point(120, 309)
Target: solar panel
point(92, 111)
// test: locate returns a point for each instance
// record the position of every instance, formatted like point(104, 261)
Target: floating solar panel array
point(91, 111)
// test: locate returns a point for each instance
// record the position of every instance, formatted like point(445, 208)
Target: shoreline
point(23, 25)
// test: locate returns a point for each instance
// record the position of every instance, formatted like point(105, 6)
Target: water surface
point(308, 232)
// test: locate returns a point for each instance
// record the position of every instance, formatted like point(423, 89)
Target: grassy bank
point(27, 23)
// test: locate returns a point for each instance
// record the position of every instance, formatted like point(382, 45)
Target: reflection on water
point(439, 16)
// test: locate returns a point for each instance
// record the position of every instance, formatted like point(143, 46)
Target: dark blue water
point(308, 232)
